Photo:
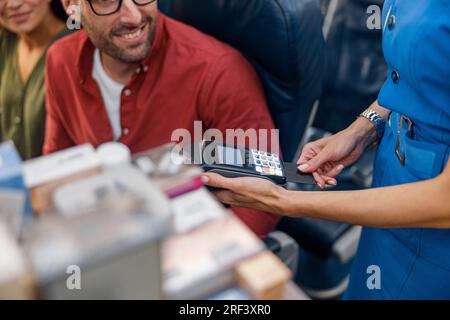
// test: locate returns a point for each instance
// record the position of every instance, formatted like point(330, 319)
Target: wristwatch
point(376, 119)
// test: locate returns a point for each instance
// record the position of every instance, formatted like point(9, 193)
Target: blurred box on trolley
point(16, 281)
point(43, 175)
point(11, 177)
point(12, 205)
point(169, 169)
point(108, 253)
point(85, 195)
point(200, 262)
point(264, 276)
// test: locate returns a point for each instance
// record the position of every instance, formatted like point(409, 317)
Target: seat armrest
point(315, 236)
point(285, 248)
point(346, 246)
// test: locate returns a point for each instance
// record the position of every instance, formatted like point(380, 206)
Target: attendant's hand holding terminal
point(234, 162)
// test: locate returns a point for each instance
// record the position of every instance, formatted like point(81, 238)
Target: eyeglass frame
point(118, 7)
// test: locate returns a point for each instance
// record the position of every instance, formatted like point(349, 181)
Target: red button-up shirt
point(188, 76)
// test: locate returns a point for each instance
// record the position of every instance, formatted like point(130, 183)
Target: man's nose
point(130, 13)
point(14, 4)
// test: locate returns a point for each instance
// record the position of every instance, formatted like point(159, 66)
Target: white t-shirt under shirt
point(111, 93)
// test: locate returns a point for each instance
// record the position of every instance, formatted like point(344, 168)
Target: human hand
point(327, 157)
point(255, 193)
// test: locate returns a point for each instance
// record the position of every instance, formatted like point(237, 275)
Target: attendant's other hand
point(327, 157)
point(255, 193)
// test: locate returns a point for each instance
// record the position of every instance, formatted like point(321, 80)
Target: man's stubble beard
point(106, 45)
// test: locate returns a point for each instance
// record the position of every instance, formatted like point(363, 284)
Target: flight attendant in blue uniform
point(407, 213)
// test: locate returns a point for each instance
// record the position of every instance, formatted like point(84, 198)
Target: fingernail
point(333, 183)
point(205, 179)
point(341, 167)
point(303, 167)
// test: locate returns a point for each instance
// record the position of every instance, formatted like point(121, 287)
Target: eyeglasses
point(108, 7)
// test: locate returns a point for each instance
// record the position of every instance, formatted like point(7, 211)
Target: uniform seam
point(413, 265)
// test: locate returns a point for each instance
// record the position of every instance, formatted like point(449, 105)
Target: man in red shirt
point(135, 76)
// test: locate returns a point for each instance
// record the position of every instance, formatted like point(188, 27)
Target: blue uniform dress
point(413, 263)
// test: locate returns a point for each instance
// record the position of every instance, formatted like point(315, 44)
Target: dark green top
point(22, 106)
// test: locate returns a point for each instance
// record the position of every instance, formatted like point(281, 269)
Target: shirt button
point(145, 68)
point(395, 76)
point(138, 70)
point(127, 92)
point(391, 22)
point(125, 131)
point(17, 120)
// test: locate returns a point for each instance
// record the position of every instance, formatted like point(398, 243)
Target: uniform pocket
point(424, 160)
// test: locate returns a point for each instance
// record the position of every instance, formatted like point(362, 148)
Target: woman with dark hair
point(27, 28)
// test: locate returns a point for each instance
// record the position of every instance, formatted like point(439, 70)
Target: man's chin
point(132, 55)
point(132, 58)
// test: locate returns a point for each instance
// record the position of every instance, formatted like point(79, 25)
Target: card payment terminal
point(234, 161)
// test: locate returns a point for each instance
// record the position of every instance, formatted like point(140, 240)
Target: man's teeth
point(132, 35)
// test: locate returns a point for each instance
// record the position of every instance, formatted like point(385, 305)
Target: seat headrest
point(281, 38)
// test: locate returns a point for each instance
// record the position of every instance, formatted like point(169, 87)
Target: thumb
point(315, 163)
point(217, 181)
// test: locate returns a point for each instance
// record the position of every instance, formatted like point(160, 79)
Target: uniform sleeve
point(233, 98)
point(56, 136)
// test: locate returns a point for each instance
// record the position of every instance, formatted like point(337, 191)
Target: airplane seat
point(282, 39)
